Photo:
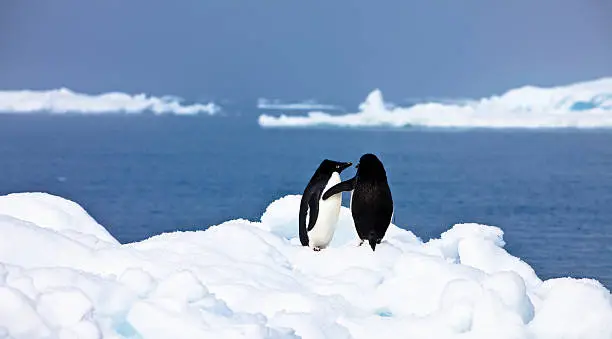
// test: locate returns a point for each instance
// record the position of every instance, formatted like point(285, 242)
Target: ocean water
point(550, 191)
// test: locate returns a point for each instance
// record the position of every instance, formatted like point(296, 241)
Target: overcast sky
point(336, 51)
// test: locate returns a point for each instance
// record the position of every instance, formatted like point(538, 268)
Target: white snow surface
point(63, 100)
point(63, 276)
point(580, 105)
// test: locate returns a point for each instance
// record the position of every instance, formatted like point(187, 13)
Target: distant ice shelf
point(580, 105)
point(263, 103)
point(63, 100)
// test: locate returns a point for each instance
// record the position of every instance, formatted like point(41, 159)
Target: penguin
point(371, 201)
point(317, 218)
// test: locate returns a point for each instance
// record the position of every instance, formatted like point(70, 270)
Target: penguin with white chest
point(371, 200)
point(318, 218)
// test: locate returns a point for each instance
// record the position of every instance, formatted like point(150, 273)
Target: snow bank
point(63, 100)
point(55, 213)
point(580, 105)
point(245, 279)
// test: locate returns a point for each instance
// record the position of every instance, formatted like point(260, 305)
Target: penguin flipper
point(302, 221)
point(313, 205)
point(347, 185)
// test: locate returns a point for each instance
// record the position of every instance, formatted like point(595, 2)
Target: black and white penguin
point(371, 201)
point(317, 219)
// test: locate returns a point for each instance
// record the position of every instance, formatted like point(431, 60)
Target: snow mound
point(580, 105)
point(63, 100)
point(57, 214)
point(247, 279)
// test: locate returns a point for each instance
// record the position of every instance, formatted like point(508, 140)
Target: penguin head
point(370, 165)
point(334, 166)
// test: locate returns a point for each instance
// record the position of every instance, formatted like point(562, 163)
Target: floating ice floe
point(62, 275)
point(263, 103)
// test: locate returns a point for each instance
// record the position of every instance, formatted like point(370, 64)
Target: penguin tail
point(372, 244)
point(372, 240)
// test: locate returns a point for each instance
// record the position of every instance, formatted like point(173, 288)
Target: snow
point(252, 279)
point(55, 213)
point(63, 307)
point(64, 100)
point(580, 105)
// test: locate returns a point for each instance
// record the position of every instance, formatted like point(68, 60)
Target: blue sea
point(549, 190)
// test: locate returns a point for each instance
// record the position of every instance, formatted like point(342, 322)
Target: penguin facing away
point(318, 218)
point(371, 200)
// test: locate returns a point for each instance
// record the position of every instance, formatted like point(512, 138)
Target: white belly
point(329, 210)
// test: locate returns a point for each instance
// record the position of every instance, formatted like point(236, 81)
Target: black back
point(312, 194)
point(371, 203)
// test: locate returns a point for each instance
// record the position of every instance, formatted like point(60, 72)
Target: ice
point(64, 307)
point(263, 103)
point(138, 281)
point(62, 275)
point(182, 286)
point(81, 330)
point(18, 316)
point(580, 105)
point(55, 213)
point(63, 100)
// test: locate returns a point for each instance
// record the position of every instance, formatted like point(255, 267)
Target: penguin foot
point(360, 243)
point(316, 249)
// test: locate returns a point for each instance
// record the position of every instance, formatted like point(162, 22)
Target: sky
point(333, 51)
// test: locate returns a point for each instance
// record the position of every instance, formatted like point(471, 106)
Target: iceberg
point(580, 105)
point(63, 100)
point(62, 275)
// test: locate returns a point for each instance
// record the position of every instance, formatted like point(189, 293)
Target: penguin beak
point(345, 165)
